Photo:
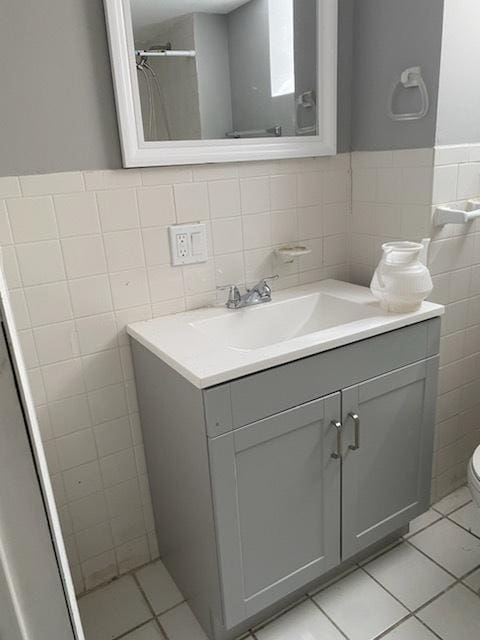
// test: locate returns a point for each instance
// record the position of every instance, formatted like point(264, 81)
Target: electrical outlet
point(188, 243)
point(182, 245)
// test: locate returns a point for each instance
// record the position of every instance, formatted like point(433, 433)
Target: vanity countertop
point(213, 345)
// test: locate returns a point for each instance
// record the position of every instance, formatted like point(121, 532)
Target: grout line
point(329, 618)
point(279, 614)
point(123, 635)
point(434, 633)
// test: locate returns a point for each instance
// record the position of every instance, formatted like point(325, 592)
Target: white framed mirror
point(200, 81)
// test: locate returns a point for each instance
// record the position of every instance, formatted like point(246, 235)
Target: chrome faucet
point(258, 294)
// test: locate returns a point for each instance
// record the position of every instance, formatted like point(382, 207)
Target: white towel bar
point(450, 215)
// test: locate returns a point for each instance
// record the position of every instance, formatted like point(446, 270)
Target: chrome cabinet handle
point(338, 427)
point(356, 421)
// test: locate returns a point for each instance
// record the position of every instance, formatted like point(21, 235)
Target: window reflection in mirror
point(226, 69)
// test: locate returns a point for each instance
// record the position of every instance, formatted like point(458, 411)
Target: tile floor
point(425, 587)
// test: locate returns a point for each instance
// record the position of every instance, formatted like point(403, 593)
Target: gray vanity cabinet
point(387, 428)
point(276, 489)
point(253, 502)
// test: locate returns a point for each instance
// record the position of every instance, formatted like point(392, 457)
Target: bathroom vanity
point(282, 441)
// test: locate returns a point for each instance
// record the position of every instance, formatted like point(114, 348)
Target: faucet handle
point(266, 286)
point(233, 294)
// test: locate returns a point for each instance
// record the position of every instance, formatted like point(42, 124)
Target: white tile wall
point(85, 254)
point(394, 195)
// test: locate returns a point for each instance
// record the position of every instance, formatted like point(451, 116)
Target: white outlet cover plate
point(188, 243)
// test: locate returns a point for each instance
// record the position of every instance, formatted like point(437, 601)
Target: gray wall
point(214, 90)
point(253, 107)
point(389, 36)
point(56, 108)
point(345, 63)
point(459, 94)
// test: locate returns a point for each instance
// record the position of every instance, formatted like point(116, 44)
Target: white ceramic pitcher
point(402, 280)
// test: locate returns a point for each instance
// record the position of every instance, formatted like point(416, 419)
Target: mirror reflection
point(226, 69)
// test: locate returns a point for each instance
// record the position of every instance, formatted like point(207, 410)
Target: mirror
point(223, 80)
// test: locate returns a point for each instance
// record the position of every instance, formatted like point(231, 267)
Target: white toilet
point(474, 476)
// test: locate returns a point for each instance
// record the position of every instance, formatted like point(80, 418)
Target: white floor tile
point(454, 500)
point(426, 519)
point(113, 610)
point(411, 629)
point(180, 624)
point(409, 575)
point(149, 631)
point(473, 581)
point(451, 546)
point(360, 607)
point(158, 586)
point(304, 621)
point(455, 615)
point(468, 517)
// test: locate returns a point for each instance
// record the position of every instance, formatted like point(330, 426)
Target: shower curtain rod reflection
point(167, 53)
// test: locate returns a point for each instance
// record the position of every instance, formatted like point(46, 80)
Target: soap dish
point(288, 253)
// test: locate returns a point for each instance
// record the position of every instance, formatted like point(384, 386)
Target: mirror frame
point(137, 152)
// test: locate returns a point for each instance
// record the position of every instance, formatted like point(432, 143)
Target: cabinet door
point(276, 493)
point(387, 467)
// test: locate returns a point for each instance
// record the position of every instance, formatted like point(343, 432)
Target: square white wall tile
point(283, 192)
point(32, 219)
point(224, 198)
point(40, 262)
point(156, 206)
point(94, 541)
point(124, 250)
point(56, 342)
point(99, 570)
point(76, 214)
point(57, 309)
point(84, 256)
point(108, 403)
point(63, 379)
point(255, 195)
point(69, 415)
point(129, 288)
point(191, 202)
point(113, 436)
point(76, 449)
point(227, 235)
point(118, 209)
point(90, 295)
point(96, 333)
point(102, 369)
point(81, 481)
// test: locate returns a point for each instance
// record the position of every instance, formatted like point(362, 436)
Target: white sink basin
point(275, 322)
point(213, 345)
